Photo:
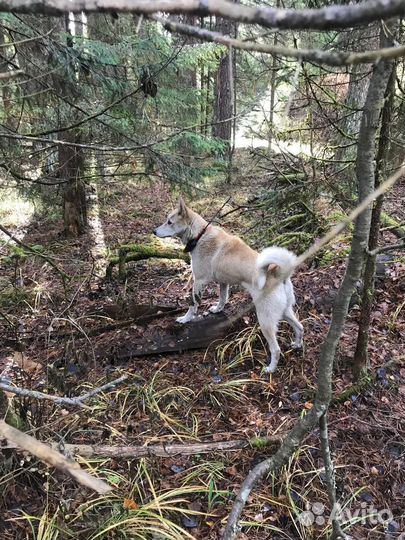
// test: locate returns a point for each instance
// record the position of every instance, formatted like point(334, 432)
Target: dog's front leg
point(195, 301)
point(223, 298)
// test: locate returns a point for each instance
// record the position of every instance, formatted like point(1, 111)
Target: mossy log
point(139, 252)
point(292, 177)
point(393, 224)
point(365, 382)
point(286, 238)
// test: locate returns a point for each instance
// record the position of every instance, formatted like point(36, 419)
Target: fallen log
point(162, 450)
point(195, 335)
point(139, 252)
point(393, 225)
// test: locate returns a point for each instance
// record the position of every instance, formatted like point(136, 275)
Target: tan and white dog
point(226, 259)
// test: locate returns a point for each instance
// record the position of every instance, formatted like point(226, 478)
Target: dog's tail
point(274, 261)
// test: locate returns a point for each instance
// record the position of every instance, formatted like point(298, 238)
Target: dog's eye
point(169, 222)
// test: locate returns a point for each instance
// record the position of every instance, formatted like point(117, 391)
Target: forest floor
point(67, 341)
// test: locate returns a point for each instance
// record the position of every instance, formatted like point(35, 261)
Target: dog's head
point(177, 222)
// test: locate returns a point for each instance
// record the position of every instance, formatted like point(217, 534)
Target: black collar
point(191, 244)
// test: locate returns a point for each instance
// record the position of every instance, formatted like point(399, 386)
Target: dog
point(224, 258)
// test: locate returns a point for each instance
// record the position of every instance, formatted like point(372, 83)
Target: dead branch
point(389, 247)
point(337, 531)
point(26, 40)
point(63, 275)
point(165, 450)
point(337, 229)
point(76, 401)
point(52, 457)
point(391, 224)
point(10, 74)
point(326, 18)
point(341, 58)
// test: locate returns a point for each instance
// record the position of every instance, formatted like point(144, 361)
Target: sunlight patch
point(15, 213)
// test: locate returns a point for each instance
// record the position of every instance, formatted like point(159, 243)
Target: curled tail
point(274, 261)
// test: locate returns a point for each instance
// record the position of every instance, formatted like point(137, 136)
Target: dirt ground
point(65, 341)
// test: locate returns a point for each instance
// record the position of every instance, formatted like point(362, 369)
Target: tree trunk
point(273, 83)
point(74, 194)
point(71, 165)
point(359, 78)
point(5, 88)
point(223, 90)
point(361, 355)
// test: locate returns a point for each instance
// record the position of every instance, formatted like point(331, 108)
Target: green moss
point(325, 257)
point(261, 442)
point(13, 296)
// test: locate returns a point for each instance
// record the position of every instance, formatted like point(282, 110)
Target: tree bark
point(223, 99)
point(165, 450)
point(360, 358)
point(71, 163)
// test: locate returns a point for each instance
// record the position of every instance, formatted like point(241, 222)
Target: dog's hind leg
point(269, 317)
point(195, 301)
point(292, 320)
point(223, 298)
point(270, 335)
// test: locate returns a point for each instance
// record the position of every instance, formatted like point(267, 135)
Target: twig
point(341, 58)
point(60, 400)
point(337, 531)
point(339, 227)
point(389, 247)
point(27, 40)
point(10, 74)
point(165, 450)
point(35, 252)
point(7, 319)
point(52, 458)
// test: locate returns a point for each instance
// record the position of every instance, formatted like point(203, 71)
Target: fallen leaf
point(130, 504)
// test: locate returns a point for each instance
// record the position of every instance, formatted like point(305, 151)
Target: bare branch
point(308, 55)
point(389, 247)
point(164, 450)
point(339, 227)
point(330, 477)
point(27, 40)
point(52, 458)
point(327, 18)
point(78, 401)
point(10, 74)
point(34, 252)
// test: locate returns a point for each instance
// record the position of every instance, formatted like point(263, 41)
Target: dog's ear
point(272, 268)
point(182, 207)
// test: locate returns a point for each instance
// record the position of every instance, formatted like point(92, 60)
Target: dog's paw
point(296, 346)
point(184, 319)
point(270, 368)
point(215, 309)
